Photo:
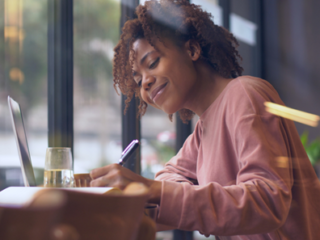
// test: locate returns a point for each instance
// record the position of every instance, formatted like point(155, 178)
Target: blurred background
point(279, 41)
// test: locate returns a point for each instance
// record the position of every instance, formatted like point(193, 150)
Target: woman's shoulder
point(243, 95)
point(250, 93)
point(250, 83)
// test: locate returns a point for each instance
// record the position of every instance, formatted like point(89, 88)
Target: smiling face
point(166, 76)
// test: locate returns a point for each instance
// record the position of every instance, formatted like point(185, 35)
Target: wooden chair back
point(97, 217)
point(32, 222)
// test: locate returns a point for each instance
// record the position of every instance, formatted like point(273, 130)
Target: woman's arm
point(183, 166)
point(114, 175)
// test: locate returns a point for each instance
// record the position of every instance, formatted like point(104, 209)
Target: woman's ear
point(193, 49)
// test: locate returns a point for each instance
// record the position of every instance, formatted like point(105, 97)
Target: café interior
point(56, 61)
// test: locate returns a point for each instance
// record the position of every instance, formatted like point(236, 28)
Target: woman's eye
point(154, 64)
point(139, 83)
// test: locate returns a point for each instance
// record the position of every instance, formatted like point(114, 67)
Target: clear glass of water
point(58, 170)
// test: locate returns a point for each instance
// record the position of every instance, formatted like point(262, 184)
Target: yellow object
point(292, 114)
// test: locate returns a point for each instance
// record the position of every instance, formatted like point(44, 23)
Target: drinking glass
point(58, 168)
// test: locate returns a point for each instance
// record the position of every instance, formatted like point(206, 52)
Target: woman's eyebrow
point(145, 56)
point(134, 73)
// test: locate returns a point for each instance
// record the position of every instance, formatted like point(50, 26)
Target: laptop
point(22, 144)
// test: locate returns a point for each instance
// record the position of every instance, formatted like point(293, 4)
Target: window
point(97, 107)
point(23, 76)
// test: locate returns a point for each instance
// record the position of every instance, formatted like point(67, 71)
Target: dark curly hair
point(178, 21)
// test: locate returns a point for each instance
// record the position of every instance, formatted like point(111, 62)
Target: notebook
point(22, 143)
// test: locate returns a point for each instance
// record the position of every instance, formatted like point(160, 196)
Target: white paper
point(20, 196)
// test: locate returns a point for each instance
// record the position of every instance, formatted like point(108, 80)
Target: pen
point(128, 151)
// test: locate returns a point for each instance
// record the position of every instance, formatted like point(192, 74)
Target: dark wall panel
point(292, 54)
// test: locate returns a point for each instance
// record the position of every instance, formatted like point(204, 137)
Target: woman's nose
point(147, 82)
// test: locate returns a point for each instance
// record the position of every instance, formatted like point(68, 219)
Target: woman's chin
point(169, 111)
point(165, 108)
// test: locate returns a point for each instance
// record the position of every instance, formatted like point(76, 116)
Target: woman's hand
point(114, 175)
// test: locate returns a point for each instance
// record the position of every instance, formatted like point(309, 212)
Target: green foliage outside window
point(312, 148)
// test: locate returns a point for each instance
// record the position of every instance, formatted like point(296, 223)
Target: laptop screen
point(22, 144)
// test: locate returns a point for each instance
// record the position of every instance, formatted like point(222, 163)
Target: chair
point(115, 216)
point(32, 222)
point(58, 214)
point(97, 216)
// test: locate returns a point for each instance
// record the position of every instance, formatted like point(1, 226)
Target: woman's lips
point(157, 91)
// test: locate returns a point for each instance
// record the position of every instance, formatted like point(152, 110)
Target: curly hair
point(178, 21)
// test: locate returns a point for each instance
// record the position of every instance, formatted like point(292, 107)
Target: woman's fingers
point(112, 175)
point(115, 175)
point(98, 172)
point(105, 176)
point(120, 177)
point(100, 182)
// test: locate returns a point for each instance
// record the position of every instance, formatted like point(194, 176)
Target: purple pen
point(128, 151)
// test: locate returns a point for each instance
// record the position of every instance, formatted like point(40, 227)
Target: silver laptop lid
point(22, 144)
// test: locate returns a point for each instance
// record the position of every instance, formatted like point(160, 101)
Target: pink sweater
point(255, 179)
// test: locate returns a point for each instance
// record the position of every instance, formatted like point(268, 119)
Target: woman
point(254, 178)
